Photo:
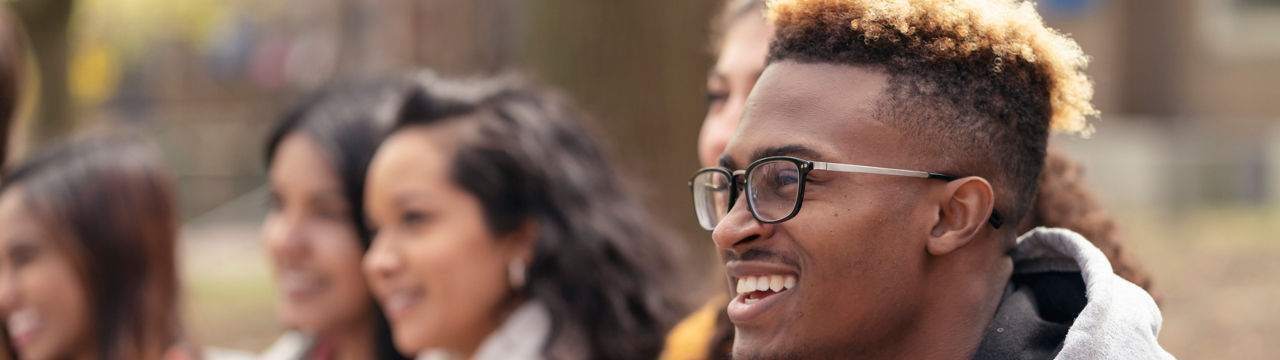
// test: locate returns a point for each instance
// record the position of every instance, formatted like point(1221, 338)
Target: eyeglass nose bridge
point(737, 186)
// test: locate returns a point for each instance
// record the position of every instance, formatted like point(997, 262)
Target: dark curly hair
point(608, 273)
point(980, 81)
point(1064, 200)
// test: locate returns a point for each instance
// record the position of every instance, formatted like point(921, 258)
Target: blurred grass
point(1217, 271)
point(229, 290)
point(233, 307)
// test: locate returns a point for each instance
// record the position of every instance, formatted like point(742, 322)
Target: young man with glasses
point(865, 208)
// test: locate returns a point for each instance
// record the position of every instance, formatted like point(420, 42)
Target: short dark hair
point(605, 269)
point(981, 81)
point(112, 200)
point(347, 122)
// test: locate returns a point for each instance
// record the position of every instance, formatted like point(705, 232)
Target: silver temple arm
point(818, 165)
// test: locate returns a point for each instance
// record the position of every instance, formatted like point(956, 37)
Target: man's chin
point(770, 355)
point(750, 347)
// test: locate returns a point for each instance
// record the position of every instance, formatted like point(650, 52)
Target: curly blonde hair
point(981, 81)
point(1002, 31)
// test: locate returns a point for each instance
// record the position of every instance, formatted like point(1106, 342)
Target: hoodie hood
point(1065, 302)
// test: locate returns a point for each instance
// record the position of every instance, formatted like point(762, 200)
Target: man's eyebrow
point(787, 150)
point(796, 150)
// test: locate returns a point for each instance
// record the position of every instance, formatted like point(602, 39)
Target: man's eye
point(785, 177)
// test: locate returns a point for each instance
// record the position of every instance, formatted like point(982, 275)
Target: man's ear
point(962, 213)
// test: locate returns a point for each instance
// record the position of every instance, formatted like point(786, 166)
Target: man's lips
point(739, 270)
point(759, 286)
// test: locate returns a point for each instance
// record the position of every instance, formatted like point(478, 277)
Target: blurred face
point(42, 299)
point(856, 275)
point(741, 60)
point(314, 245)
point(438, 271)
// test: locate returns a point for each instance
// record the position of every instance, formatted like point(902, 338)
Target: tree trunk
point(46, 24)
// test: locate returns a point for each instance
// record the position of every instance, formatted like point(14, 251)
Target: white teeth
point(22, 321)
point(773, 283)
point(400, 301)
point(298, 281)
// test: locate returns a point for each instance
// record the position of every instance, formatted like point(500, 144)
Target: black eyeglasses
point(775, 188)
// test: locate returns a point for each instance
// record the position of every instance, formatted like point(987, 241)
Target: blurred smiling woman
point(502, 232)
point(315, 233)
point(87, 266)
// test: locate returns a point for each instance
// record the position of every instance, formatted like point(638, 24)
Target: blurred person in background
point(740, 43)
point(87, 231)
point(503, 231)
point(315, 231)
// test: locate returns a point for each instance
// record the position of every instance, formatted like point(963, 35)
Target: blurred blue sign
point(1067, 7)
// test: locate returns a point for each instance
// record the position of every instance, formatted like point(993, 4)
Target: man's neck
point(967, 287)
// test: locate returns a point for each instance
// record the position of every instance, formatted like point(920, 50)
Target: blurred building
point(1188, 90)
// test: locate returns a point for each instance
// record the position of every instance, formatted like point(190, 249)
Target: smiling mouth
point(22, 326)
point(300, 285)
point(399, 303)
point(754, 288)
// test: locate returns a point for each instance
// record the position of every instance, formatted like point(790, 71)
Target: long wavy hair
point(113, 201)
point(347, 122)
point(608, 273)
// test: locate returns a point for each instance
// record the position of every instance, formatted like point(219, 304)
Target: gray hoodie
point(1063, 301)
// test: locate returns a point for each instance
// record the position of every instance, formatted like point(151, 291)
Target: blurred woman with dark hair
point(315, 231)
point(504, 232)
point(740, 39)
point(87, 267)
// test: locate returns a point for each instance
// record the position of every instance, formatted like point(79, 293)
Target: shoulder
point(291, 345)
point(1119, 319)
point(691, 338)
